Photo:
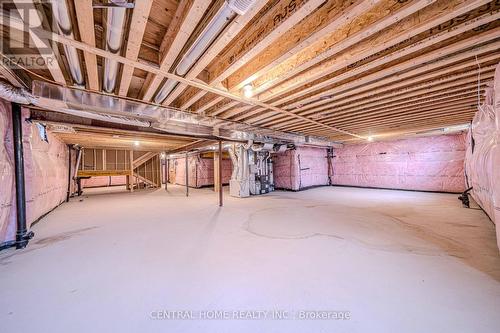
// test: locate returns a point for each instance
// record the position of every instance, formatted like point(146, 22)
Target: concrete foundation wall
point(46, 173)
point(434, 163)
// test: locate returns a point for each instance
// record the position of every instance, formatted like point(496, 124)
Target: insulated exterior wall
point(200, 172)
point(483, 154)
point(46, 173)
point(300, 168)
point(433, 163)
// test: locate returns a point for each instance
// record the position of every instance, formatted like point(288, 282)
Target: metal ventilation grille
point(240, 6)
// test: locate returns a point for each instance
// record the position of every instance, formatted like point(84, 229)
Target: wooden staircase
point(147, 170)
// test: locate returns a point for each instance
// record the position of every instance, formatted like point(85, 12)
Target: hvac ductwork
point(114, 36)
point(252, 169)
point(13, 94)
point(174, 121)
point(229, 10)
point(61, 16)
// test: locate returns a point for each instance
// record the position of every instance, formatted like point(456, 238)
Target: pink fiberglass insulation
point(46, 173)
point(482, 162)
point(300, 168)
point(433, 163)
point(102, 181)
point(200, 172)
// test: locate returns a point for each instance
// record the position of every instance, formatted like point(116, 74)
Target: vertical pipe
point(187, 176)
point(167, 172)
point(22, 235)
point(220, 174)
point(68, 193)
point(330, 171)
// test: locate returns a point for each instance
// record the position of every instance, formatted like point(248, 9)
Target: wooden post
point(220, 174)
point(216, 172)
point(131, 154)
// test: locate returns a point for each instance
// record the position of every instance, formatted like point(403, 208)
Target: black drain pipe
point(22, 234)
point(68, 193)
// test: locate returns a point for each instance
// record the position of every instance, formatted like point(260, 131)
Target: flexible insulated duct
point(114, 36)
point(167, 119)
point(229, 10)
point(61, 15)
point(13, 94)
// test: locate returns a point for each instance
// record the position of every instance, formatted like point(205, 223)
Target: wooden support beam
point(206, 105)
point(138, 23)
point(222, 106)
point(98, 173)
point(217, 166)
point(85, 18)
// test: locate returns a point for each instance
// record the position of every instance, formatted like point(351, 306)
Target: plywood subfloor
point(398, 261)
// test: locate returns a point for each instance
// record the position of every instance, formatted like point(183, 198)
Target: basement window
point(42, 132)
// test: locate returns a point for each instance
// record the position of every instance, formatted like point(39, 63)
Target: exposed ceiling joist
point(87, 35)
point(138, 23)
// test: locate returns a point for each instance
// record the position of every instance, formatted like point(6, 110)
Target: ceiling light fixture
point(136, 143)
point(248, 90)
point(370, 138)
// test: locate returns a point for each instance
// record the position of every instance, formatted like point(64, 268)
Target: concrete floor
point(397, 261)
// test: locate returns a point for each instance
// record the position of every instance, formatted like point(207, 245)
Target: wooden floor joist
point(86, 29)
point(360, 89)
point(138, 23)
point(428, 88)
point(403, 31)
point(334, 68)
point(368, 20)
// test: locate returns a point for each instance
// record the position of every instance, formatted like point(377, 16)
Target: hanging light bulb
point(248, 90)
